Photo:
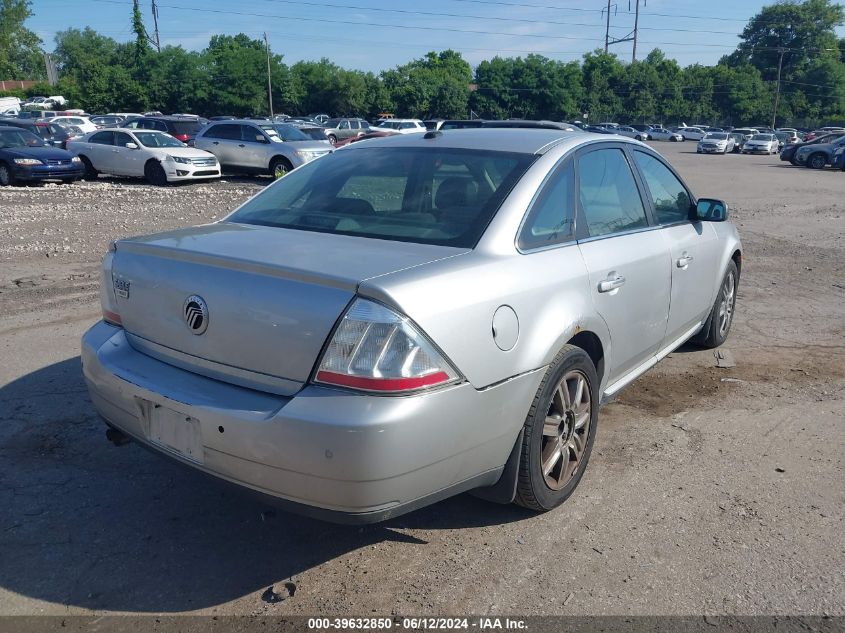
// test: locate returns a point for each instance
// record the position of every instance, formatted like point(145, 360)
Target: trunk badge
point(195, 312)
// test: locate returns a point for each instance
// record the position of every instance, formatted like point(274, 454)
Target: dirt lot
point(710, 490)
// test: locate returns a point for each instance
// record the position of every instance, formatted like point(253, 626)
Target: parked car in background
point(373, 133)
point(595, 129)
point(45, 103)
point(10, 106)
point(716, 143)
point(786, 138)
point(453, 124)
point(150, 154)
point(24, 157)
point(312, 131)
point(181, 128)
point(403, 126)
point(368, 319)
point(339, 129)
point(816, 156)
point(739, 140)
point(320, 117)
point(690, 133)
point(51, 133)
point(761, 144)
point(662, 134)
point(107, 120)
point(630, 132)
point(788, 152)
point(38, 114)
point(83, 123)
point(531, 124)
point(259, 146)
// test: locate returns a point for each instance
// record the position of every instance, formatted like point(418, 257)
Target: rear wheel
point(817, 161)
point(90, 172)
point(718, 324)
point(332, 139)
point(279, 167)
point(155, 174)
point(559, 431)
point(6, 176)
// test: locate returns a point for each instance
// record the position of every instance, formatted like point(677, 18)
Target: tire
point(155, 174)
point(817, 161)
point(332, 139)
point(7, 178)
point(793, 162)
point(280, 166)
point(718, 324)
point(576, 429)
point(90, 172)
point(673, 140)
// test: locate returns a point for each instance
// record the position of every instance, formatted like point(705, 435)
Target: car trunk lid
point(271, 296)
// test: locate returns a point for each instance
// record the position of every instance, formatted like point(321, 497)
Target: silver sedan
point(411, 318)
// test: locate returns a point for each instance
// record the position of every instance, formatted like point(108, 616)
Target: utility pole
point(607, 29)
point(156, 40)
point(269, 85)
point(636, 24)
point(777, 90)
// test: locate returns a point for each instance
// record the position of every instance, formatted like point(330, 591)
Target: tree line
point(229, 76)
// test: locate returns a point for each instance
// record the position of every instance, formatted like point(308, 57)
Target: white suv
point(404, 126)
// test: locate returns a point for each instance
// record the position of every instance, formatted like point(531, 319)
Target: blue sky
point(379, 34)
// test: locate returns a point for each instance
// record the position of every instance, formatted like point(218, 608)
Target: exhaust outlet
point(118, 438)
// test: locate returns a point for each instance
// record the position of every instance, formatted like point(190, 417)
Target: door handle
point(611, 283)
point(684, 261)
point(215, 143)
point(241, 145)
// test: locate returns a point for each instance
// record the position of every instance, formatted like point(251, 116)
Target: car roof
point(518, 140)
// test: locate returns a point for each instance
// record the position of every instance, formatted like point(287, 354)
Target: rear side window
point(608, 193)
point(551, 219)
point(424, 195)
point(102, 138)
point(226, 131)
point(671, 199)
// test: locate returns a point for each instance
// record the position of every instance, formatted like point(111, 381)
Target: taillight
point(376, 349)
point(181, 137)
point(108, 301)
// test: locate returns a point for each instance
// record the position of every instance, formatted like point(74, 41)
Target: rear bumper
point(337, 455)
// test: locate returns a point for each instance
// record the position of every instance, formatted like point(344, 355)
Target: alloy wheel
point(565, 430)
point(726, 307)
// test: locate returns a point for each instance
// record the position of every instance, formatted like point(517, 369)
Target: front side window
point(424, 195)
point(122, 138)
point(671, 200)
point(608, 193)
point(551, 219)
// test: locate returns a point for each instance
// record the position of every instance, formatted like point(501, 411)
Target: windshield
point(425, 195)
point(314, 133)
point(284, 132)
point(19, 138)
point(761, 137)
point(157, 139)
point(717, 136)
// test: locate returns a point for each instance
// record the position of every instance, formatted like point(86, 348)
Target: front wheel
point(332, 139)
point(6, 176)
point(90, 172)
point(718, 324)
point(816, 161)
point(155, 174)
point(279, 167)
point(559, 431)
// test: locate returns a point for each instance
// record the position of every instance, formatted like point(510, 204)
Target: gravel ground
point(710, 491)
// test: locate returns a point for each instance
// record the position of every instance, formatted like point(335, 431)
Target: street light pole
point(782, 51)
point(269, 85)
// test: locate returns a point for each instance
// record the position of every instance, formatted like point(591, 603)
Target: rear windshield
point(185, 127)
point(425, 195)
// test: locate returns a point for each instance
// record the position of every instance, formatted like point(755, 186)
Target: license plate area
point(174, 431)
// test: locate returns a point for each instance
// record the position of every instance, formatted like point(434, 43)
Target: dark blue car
point(25, 157)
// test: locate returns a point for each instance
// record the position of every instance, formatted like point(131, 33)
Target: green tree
point(20, 48)
point(236, 66)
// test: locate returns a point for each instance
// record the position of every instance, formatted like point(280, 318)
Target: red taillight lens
point(181, 137)
point(376, 349)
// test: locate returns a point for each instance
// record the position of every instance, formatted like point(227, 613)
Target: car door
point(217, 138)
point(131, 160)
point(627, 259)
point(98, 150)
point(693, 246)
point(253, 148)
point(343, 129)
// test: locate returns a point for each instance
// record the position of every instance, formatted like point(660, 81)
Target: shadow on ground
point(88, 524)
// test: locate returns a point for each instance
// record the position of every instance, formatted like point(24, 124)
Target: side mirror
point(709, 210)
point(131, 146)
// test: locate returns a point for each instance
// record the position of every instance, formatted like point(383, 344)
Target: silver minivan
point(259, 146)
